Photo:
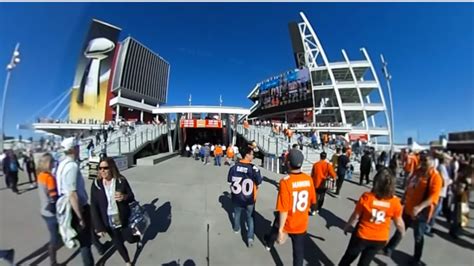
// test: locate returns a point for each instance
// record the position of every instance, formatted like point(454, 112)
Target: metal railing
point(121, 142)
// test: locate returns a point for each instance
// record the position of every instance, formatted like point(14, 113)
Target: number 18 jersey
point(295, 196)
point(375, 216)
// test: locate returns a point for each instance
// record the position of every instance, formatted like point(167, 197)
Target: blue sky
point(226, 48)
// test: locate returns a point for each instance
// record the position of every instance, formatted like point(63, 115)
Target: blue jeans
point(52, 224)
point(419, 228)
point(218, 160)
point(438, 209)
point(249, 210)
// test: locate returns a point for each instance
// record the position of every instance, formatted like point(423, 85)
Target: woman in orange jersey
point(373, 211)
point(48, 195)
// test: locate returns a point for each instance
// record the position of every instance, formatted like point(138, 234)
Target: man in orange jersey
point(321, 171)
point(229, 155)
point(373, 214)
point(218, 154)
point(421, 196)
point(295, 197)
point(410, 165)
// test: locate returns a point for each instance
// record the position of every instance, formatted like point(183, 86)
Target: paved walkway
point(186, 201)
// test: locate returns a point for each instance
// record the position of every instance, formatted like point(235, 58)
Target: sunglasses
point(104, 168)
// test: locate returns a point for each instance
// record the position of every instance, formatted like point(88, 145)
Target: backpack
point(13, 166)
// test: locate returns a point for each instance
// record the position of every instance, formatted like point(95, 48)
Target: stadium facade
point(117, 80)
point(343, 97)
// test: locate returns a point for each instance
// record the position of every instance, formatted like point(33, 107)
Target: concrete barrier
point(155, 159)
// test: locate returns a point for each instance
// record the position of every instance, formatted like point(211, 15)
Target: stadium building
point(343, 97)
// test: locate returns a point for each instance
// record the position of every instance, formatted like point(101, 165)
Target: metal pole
point(388, 77)
point(119, 146)
point(5, 89)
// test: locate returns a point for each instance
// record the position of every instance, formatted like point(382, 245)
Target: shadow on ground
point(160, 222)
point(332, 219)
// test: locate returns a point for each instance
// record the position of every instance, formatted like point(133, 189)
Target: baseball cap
point(295, 158)
point(69, 143)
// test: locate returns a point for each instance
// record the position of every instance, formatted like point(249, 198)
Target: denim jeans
point(419, 228)
point(248, 210)
point(367, 249)
point(438, 209)
point(297, 241)
point(218, 160)
point(52, 224)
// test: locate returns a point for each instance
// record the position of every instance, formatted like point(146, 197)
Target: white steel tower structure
point(347, 96)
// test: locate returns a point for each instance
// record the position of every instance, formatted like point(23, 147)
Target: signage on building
point(355, 137)
point(200, 123)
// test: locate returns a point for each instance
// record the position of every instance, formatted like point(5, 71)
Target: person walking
point(421, 197)
point(321, 173)
point(97, 138)
point(342, 166)
point(373, 213)
point(188, 151)
point(244, 178)
point(71, 183)
point(90, 148)
point(218, 152)
point(295, 196)
point(381, 161)
point(10, 170)
point(229, 155)
point(29, 164)
point(111, 195)
point(48, 196)
point(365, 167)
point(444, 161)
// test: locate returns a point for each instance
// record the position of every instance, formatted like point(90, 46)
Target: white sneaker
point(313, 213)
point(267, 248)
point(32, 186)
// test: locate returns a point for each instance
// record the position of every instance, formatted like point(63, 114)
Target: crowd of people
point(71, 217)
point(433, 182)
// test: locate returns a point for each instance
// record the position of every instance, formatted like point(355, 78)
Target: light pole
point(13, 63)
point(388, 78)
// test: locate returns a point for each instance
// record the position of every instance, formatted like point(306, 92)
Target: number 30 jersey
point(244, 177)
point(295, 196)
point(376, 215)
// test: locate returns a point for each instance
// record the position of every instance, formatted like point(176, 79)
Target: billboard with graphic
point(91, 88)
point(291, 87)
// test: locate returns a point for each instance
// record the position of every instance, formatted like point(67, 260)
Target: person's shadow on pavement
point(226, 204)
point(160, 221)
point(262, 227)
point(332, 219)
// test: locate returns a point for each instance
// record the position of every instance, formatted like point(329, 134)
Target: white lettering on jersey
point(241, 169)
point(299, 184)
point(384, 204)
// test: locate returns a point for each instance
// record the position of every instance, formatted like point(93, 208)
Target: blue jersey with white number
point(244, 177)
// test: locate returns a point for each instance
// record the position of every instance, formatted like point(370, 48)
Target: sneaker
point(267, 248)
point(32, 186)
point(10, 256)
point(313, 213)
point(250, 243)
point(236, 232)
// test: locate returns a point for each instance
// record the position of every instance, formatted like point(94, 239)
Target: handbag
point(139, 219)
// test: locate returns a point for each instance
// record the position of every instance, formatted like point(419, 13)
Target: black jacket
point(6, 164)
point(100, 219)
point(365, 163)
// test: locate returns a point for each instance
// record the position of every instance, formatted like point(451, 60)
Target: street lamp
point(388, 78)
point(15, 60)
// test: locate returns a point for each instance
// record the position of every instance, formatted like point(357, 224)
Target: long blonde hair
point(45, 163)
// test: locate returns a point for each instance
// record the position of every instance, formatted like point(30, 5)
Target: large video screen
point(289, 88)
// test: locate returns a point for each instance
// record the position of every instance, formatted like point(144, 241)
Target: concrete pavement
point(191, 225)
